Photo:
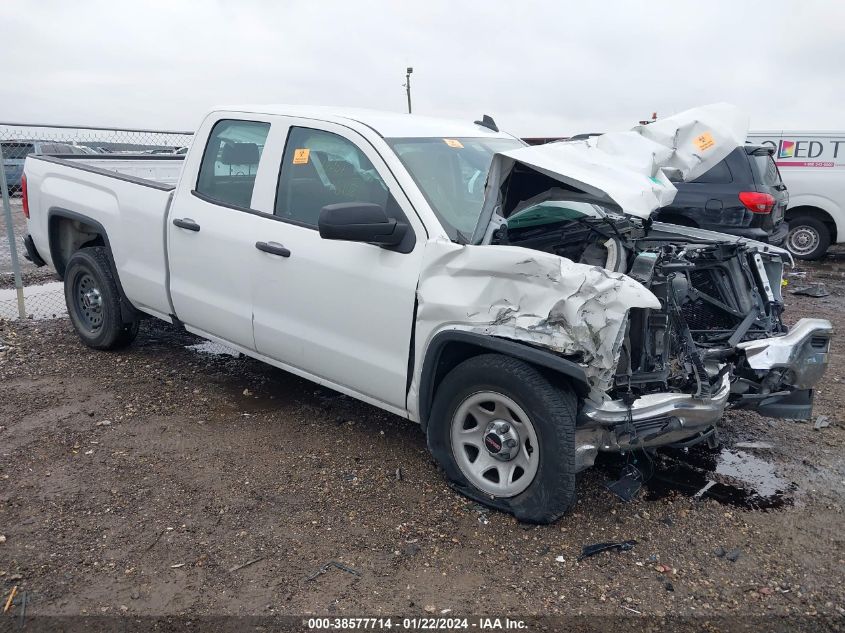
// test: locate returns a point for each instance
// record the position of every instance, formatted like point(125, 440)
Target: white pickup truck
point(517, 302)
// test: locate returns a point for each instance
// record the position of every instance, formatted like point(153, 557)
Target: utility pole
point(408, 86)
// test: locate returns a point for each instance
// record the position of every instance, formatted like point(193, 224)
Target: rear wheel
point(93, 301)
point(505, 436)
point(808, 237)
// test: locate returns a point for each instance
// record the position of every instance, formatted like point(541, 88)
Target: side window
point(230, 163)
point(720, 173)
point(321, 168)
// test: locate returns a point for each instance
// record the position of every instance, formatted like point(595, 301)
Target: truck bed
point(128, 196)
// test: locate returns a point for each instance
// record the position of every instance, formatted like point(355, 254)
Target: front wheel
point(93, 301)
point(505, 436)
point(808, 237)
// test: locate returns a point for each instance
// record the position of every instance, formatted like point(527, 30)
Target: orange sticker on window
point(704, 141)
point(300, 156)
point(453, 142)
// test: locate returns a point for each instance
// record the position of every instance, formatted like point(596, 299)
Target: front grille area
point(700, 315)
point(702, 280)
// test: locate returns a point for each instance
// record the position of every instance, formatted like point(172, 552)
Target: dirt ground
point(168, 480)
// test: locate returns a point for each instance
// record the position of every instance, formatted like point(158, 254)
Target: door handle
point(274, 248)
point(186, 223)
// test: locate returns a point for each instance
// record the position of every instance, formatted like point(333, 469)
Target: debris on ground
point(333, 563)
point(629, 483)
point(733, 555)
point(720, 552)
point(103, 423)
point(10, 598)
point(817, 291)
point(822, 422)
point(246, 564)
point(596, 548)
point(761, 446)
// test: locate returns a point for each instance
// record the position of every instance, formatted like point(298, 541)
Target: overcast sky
point(539, 68)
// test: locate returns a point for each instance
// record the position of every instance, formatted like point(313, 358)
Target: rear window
point(720, 173)
point(16, 150)
point(765, 170)
point(230, 163)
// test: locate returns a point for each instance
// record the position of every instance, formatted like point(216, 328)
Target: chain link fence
point(27, 291)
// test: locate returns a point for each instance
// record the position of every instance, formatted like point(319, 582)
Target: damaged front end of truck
point(672, 325)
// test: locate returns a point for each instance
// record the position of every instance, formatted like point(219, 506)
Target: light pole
point(408, 86)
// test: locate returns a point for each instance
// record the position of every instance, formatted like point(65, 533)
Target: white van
point(812, 164)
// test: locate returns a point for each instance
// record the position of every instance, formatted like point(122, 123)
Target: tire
point(93, 301)
point(808, 237)
point(539, 414)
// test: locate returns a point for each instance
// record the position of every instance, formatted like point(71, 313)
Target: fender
point(127, 310)
point(484, 343)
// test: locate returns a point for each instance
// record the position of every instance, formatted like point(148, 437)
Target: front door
point(340, 311)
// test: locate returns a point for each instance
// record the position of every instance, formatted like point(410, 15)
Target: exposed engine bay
point(714, 294)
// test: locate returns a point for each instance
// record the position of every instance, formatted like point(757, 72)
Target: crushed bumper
point(782, 371)
point(802, 353)
point(652, 420)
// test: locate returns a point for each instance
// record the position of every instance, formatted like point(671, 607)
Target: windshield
point(553, 212)
point(451, 173)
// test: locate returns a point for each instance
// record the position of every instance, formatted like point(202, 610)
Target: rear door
point(342, 312)
point(212, 228)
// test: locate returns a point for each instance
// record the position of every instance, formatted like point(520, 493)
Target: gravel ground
point(166, 480)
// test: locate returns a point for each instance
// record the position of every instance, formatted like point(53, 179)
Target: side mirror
point(360, 222)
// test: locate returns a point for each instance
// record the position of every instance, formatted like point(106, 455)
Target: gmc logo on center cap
point(493, 443)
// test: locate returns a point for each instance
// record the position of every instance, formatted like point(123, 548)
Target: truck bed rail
point(78, 161)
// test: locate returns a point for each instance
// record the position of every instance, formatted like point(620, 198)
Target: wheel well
point(814, 212)
point(445, 355)
point(67, 235)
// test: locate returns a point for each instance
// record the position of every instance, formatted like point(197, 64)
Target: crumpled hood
point(627, 171)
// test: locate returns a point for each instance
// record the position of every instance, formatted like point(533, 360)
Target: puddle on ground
point(730, 476)
point(215, 349)
point(44, 301)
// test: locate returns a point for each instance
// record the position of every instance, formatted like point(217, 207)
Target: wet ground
point(178, 478)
